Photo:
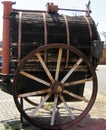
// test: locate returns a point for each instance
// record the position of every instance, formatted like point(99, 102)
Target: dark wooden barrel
point(38, 29)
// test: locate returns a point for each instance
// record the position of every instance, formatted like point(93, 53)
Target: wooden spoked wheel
point(56, 72)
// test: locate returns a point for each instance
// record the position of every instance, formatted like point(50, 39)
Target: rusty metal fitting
point(88, 9)
point(57, 88)
point(51, 8)
point(7, 7)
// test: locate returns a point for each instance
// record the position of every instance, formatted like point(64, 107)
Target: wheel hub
point(57, 88)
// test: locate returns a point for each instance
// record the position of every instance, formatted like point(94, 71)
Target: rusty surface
point(6, 37)
point(45, 32)
point(51, 8)
point(19, 37)
point(88, 9)
point(68, 37)
point(45, 29)
point(90, 32)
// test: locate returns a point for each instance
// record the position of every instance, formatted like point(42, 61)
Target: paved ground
point(101, 74)
point(9, 113)
point(8, 109)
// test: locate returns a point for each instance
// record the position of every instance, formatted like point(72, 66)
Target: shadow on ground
point(86, 124)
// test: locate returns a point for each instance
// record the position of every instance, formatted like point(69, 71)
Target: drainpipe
point(6, 37)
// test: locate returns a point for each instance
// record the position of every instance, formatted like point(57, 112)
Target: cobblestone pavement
point(9, 112)
point(8, 108)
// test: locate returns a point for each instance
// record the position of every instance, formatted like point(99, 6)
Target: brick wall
point(103, 59)
point(0, 51)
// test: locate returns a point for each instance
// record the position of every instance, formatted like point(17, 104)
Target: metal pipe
point(77, 10)
point(6, 37)
point(35, 11)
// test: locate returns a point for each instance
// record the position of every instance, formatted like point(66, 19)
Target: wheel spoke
point(71, 70)
point(58, 64)
point(45, 67)
point(54, 110)
point(77, 82)
point(76, 96)
point(34, 78)
point(40, 105)
point(33, 93)
point(67, 107)
point(36, 104)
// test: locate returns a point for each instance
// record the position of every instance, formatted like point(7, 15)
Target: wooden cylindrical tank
point(38, 29)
